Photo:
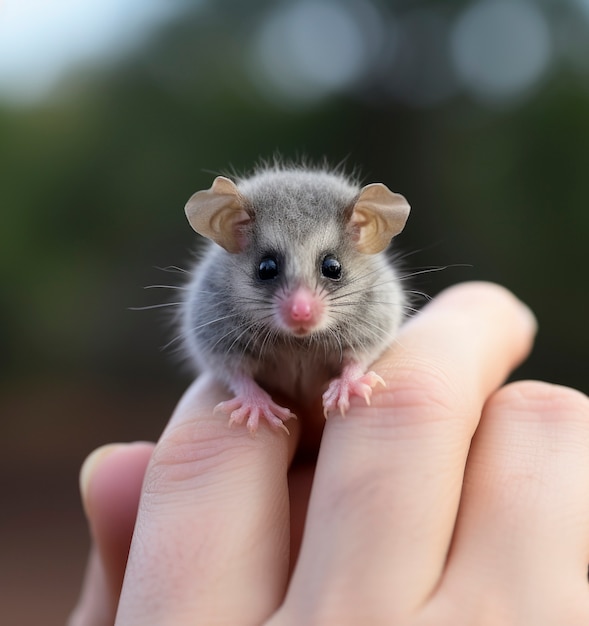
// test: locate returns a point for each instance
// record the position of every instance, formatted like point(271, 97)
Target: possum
point(295, 292)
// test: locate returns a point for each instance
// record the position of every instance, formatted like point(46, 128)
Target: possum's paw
point(352, 382)
point(253, 405)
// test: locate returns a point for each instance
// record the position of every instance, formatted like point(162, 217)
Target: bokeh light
point(309, 50)
point(41, 40)
point(500, 48)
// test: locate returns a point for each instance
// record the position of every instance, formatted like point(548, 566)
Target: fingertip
point(110, 484)
point(89, 467)
point(110, 481)
point(480, 323)
point(474, 292)
point(134, 456)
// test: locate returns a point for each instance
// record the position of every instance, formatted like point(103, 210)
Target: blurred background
point(113, 113)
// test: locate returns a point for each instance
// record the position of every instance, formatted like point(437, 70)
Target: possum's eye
point(268, 268)
point(331, 267)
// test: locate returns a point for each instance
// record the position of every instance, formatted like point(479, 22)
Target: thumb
point(110, 485)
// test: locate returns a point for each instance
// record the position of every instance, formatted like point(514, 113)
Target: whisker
point(263, 301)
point(154, 306)
point(172, 268)
point(217, 319)
point(361, 290)
point(258, 330)
point(359, 277)
point(438, 268)
point(228, 334)
point(269, 340)
point(166, 287)
point(362, 302)
point(421, 294)
point(172, 342)
point(376, 331)
point(339, 344)
point(253, 335)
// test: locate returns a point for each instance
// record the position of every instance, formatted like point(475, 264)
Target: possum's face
point(304, 245)
point(300, 276)
point(304, 272)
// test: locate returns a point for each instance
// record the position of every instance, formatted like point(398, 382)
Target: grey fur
point(227, 322)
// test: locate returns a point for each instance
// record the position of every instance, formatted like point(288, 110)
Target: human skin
point(452, 499)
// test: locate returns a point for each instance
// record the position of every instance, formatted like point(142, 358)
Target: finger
point(212, 536)
point(388, 480)
point(300, 480)
point(522, 539)
point(110, 483)
point(96, 605)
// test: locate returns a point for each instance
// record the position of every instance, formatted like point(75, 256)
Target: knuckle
point(424, 391)
point(188, 453)
point(534, 400)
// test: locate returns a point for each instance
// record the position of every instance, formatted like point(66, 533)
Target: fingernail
point(92, 461)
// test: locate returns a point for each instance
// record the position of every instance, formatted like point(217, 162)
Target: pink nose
point(301, 310)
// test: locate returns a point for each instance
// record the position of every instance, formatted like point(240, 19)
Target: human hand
point(411, 520)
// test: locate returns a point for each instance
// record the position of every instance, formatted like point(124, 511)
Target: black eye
point(331, 268)
point(268, 268)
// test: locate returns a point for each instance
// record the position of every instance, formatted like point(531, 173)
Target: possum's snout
point(301, 311)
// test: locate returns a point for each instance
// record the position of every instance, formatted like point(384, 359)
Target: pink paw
point(253, 406)
point(352, 382)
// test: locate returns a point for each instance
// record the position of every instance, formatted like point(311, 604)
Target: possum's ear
point(378, 215)
point(219, 214)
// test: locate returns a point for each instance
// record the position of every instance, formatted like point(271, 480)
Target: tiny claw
point(252, 423)
point(251, 408)
point(284, 428)
point(367, 395)
point(343, 405)
point(229, 406)
point(351, 383)
point(237, 416)
point(378, 380)
point(274, 421)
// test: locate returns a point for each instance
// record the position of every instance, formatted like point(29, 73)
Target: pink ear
point(378, 215)
point(218, 213)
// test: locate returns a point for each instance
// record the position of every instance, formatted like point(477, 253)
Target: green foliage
point(94, 180)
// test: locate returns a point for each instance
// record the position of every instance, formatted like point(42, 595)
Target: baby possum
point(296, 293)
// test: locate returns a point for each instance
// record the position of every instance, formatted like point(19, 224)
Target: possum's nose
point(301, 310)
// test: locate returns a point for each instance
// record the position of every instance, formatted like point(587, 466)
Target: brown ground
point(47, 429)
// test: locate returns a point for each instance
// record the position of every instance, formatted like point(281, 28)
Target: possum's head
point(300, 235)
